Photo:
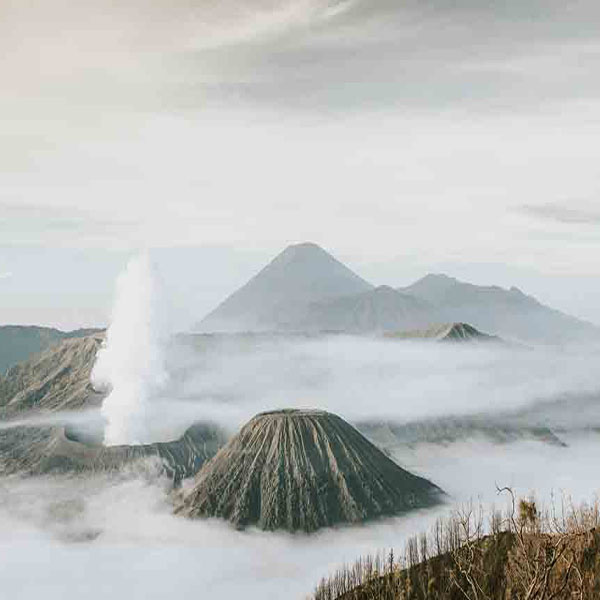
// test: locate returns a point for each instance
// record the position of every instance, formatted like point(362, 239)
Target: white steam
point(131, 362)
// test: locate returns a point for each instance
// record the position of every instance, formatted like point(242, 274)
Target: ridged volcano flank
point(301, 470)
point(56, 379)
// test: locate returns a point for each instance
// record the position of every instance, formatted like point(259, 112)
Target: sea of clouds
point(70, 537)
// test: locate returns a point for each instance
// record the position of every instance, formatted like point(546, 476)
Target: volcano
point(300, 470)
point(46, 450)
point(278, 296)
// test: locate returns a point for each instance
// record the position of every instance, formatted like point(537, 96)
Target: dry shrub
point(522, 554)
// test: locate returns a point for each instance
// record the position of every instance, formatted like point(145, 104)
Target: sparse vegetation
point(524, 554)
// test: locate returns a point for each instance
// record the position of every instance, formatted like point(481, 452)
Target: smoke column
point(132, 363)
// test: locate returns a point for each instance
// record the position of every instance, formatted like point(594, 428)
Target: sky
point(404, 136)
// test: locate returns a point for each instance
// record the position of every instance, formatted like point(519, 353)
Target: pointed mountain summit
point(508, 313)
point(300, 470)
point(277, 297)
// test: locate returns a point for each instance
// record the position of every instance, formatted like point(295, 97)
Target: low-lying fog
point(230, 378)
point(71, 536)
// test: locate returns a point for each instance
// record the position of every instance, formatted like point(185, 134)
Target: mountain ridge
point(508, 313)
point(20, 342)
point(378, 310)
point(58, 378)
point(306, 289)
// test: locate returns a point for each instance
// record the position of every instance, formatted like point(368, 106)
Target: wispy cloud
point(35, 224)
point(561, 212)
point(5, 274)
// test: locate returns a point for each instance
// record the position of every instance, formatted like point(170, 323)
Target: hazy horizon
point(71, 288)
point(404, 137)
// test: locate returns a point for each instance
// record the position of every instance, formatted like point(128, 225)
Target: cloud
point(405, 116)
point(566, 213)
point(362, 379)
point(107, 534)
point(5, 274)
point(118, 532)
point(38, 224)
point(300, 54)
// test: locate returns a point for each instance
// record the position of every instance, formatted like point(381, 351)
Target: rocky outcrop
point(302, 470)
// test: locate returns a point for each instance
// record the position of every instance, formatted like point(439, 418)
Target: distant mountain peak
point(303, 252)
point(438, 277)
point(439, 282)
point(436, 281)
point(305, 247)
point(508, 313)
point(280, 293)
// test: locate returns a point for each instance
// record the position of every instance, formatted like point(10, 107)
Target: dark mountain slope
point(19, 342)
point(302, 470)
point(56, 379)
point(45, 450)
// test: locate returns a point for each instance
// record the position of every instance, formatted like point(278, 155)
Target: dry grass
point(522, 554)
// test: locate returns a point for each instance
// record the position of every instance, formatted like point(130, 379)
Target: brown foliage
point(525, 554)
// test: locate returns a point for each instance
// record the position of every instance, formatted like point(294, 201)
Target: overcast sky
point(406, 136)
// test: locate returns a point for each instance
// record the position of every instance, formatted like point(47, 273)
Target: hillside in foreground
point(523, 554)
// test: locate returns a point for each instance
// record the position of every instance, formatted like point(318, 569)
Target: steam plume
point(132, 362)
